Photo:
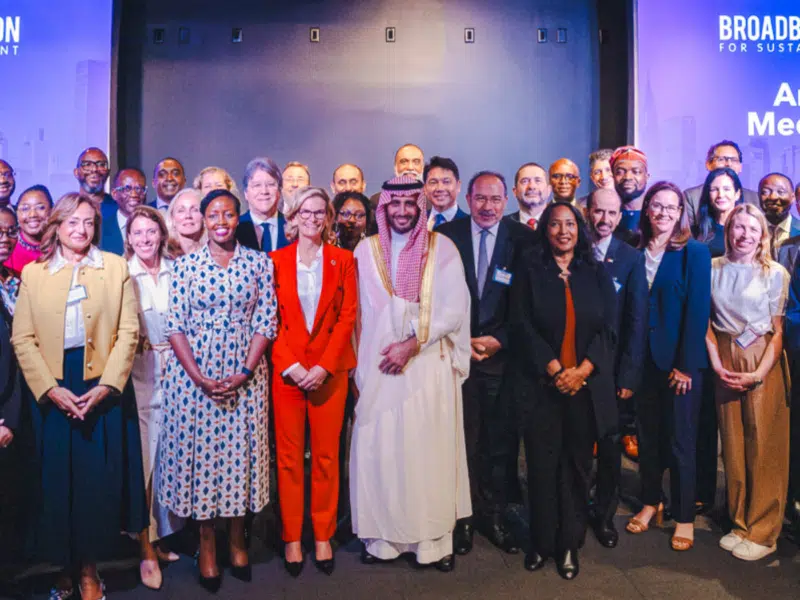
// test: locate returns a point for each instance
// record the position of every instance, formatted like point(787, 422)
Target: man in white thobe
point(408, 465)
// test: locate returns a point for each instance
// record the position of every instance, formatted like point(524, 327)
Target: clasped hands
point(484, 347)
point(77, 407)
point(308, 379)
point(6, 435)
point(738, 382)
point(569, 381)
point(397, 354)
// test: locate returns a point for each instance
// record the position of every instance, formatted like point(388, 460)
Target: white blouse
point(744, 297)
point(153, 298)
point(651, 264)
point(74, 329)
point(309, 286)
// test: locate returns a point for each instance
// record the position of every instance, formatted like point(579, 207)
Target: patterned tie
point(598, 254)
point(532, 223)
point(438, 220)
point(483, 262)
point(775, 245)
point(266, 238)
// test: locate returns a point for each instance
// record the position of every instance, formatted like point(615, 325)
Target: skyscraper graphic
point(91, 104)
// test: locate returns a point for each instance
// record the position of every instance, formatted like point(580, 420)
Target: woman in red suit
point(315, 283)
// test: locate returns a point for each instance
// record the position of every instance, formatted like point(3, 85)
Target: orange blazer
point(330, 343)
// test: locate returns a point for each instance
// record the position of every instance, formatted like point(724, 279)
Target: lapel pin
point(333, 262)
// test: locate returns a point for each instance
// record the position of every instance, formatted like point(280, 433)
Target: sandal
point(681, 544)
point(636, 526)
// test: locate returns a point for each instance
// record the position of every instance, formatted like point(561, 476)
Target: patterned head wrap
point(628, 153)
point(411, 261)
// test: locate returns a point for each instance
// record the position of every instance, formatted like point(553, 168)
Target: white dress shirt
point(525, 216)
point(399, 241)
point(601, 248)
point(74, 330)
point(651, 264)
point(272, 223)
point(153, 298)
point(122, 221)
point(448, 214)
point(162, 205)
point(309, 289)
point(476, 244)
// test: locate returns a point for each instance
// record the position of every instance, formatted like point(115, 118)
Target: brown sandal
point(636, 526)
point(681, 544)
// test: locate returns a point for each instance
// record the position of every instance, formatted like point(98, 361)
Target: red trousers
point(325, 410)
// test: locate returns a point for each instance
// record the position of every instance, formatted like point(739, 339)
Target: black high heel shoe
point(210, 584)
point(293, 568)
point(326, 566)
point(244, 573)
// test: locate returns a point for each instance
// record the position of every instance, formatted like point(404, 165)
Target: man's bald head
point(409, 158)
point(348, 178)
point(565, 177)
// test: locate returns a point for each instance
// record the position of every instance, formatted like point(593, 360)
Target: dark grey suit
point(693, 201)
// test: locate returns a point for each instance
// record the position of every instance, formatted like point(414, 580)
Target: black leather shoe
point(534, 561)
point(293, 568)
point(462, 537)
point(446, 564)
point(567, 564)
point(606, 533)
point(367, 558)
point(793, 511)
point(702, 508)
point(210, 584)
point(244, 573)
point(496, 532)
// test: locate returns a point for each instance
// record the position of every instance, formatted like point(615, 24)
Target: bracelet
point(247, 372)
point(557, 373)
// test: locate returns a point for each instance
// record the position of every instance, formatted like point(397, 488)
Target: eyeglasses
point(296, 180)
point(347, 215)
point(129, 189)
point(306, 214)
point(29, 208)
point(664, 208)
point(100, 165)
point(568, 176)
point(726, 160)
point(9, 233)
point(7, 174)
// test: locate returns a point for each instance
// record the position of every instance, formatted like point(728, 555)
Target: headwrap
point(411, 261)
point(628, 153)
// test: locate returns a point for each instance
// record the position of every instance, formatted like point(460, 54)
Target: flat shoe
point(681, 544)
point(751, 551)
point(729, 541)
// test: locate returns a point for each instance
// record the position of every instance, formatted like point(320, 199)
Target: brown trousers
point(755, 442)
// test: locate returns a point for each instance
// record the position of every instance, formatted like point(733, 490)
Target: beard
point(92, 189)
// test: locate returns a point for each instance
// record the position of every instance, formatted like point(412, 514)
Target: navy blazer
point(460, 214)
point(626, 267)
point(246, 232)
point(110, 235)
point(791, 334)
point(10, 383)
point(680, 307)
point(490, 312)
point(538, 318)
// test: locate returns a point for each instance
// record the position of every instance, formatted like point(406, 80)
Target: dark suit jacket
point(538, 316)
point(110, 235)
point(680, 306)
point(10, 384)
point(626, 267)
point(791, 336)
point(246, 232)
point(693, 201)
point(788, 252)
point(460, 214)
point(489, 312)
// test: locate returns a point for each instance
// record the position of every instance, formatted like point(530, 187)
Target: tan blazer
point(109, 318)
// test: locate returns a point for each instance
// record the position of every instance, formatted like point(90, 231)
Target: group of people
point(153, 355)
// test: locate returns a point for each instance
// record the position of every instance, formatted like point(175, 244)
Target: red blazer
point(329, 344)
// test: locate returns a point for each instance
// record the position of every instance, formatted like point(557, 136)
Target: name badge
point(617, 285)
point(748, 337)
point(76, 294)
point(502, 276)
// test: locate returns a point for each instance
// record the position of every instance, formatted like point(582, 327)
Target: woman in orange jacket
point(315, 283)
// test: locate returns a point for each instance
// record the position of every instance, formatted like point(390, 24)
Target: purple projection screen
point(55, 65)
point(708, 70)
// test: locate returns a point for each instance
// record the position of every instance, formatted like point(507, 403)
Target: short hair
point(9, 211)
point(38, 188)
point(136, 170)
point(342, 197)
point(356, 167)
point(525, 166)
point(475, 177)
point(213, 195)
point(773, 174)
point(713, 148)
point(295, 203)
point(294, 163)
point(230, 184)
point(680, 233)
point(590, 197)
point(85, 151)
point(440, 162)
point(66, 205)
point(598, 155)
point(266, 164)
point(407, 146)
point(154, 215)
point(797, 189)
point(155, 169)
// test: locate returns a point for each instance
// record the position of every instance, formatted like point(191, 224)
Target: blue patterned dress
point(215, 456)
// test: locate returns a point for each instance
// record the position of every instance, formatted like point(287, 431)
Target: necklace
point(26, 244)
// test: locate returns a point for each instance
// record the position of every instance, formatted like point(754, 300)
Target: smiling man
point(262, 227)
point(413, 355)
point(565, 179)
point(92, 171)
point(532, 191)
point(348, 178)
point(7, 183)
point(129, 191)
point(629, 167)
point(776, 196)
point(442, 187)
point(169, 178)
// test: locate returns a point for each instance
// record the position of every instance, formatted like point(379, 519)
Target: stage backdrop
point(493, 104)
point(718, 69)
point(55, 60)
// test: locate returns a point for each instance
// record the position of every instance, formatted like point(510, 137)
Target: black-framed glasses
point(7, 174)
point(10, 233)
point(129, 189)
point(567, 176)
point(347, 215)
point(306, 214)
point(100, 165)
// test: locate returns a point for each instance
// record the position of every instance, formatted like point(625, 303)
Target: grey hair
point(597, 155)
point(265, 164)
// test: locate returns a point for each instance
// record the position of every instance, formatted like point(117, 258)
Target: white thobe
point(408, 463)
point(147, 374)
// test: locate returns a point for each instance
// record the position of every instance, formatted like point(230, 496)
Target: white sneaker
point(748, 550)
point(730, 541)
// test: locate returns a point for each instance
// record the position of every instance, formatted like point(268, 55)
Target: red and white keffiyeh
point(411, 261)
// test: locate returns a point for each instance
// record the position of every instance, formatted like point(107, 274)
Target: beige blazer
point(109, 317)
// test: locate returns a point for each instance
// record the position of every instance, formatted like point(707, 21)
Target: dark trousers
point(707, 433)
point(609, 468)
point(794, 435)
point(488, 436)
point(668, 440)
point(559, 433)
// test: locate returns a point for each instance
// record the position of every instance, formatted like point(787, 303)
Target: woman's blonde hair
point(763, 254)
point(154, 215)
point(63, 210)
point(295, 203)
point(174, 245)
point(230, 184)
